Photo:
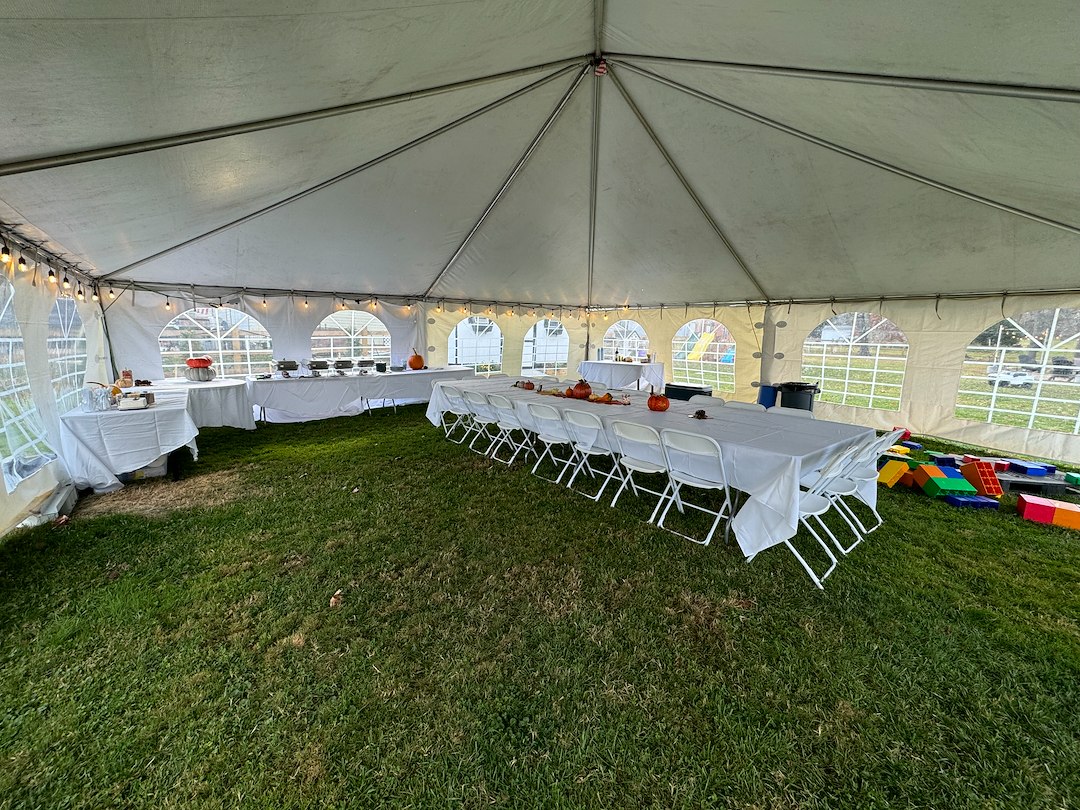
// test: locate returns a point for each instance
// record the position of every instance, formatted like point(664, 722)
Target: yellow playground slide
point(700, 347)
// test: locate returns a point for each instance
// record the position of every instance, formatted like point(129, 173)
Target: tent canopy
point(733, 151)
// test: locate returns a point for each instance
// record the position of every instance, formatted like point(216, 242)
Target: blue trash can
point(766, 395)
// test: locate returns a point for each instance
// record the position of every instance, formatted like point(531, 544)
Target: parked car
point(1019, 379)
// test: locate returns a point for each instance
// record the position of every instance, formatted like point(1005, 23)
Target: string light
point(112, 295)
point(65, 283)
point(463, 310)
point(605, 316)
point(264, 302)
point(532, 312)
point(168, 303)
point(438, 307)
point(374, 303)
point(52, 276)
point(306, 304)
point(93, 294)
point(23, 266)
point(79, 294)
point(5, 254)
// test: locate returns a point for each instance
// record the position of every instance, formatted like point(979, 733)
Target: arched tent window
point(703, 353)
point(239, 344)
point(23, 449)
point(67, 353)
point(858, 359)
point(627, 339)
point(1025, 372)
point(546, 350)
point(351, 334)
point(477, 342)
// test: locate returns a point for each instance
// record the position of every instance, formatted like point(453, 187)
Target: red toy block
point(891, 472)
point(924, 472)
point(1067, 515)
point(903, 436)
point(1000, 465)
point(981, 475)
point(1032, 507)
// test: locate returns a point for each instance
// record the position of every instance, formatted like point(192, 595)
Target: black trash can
point(684, 392)
point(798, 395)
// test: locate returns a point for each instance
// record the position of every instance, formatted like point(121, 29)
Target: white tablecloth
point(765, 453)
point(98, 446)
point(622, 375)
point(303, 398)
point(217, 403)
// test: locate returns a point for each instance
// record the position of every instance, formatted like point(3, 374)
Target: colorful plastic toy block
point(1000, 464)
point(911, 445)
point(903, 451)
point(951, 472)
point(972, 501)
point(907, 479)
point(924, 472)
point(905, 435)
point(945, 459)
point(891, 473)
point(1026, 468)
point(1050, 468)
point(947, 486)
point(1032, 507)
point(981, 475)
point(1067, 515)
point(1072, 478)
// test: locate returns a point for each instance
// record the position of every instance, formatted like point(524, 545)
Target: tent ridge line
point(851, 153)
point(346, 174)
point(259, 125)
point(598, 28)
point(686, 185)
point(529, 150)
point(594, 171)
point(1037, 92)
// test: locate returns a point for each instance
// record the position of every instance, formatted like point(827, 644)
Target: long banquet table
point(97, 446)
point(765, 453)
point(216, 403)
point(615, 374)
point(293, 399)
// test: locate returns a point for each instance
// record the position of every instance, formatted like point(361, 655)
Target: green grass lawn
point(503, 642)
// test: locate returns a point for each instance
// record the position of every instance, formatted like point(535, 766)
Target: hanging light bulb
point(264, 302)
point(79, 294)
point(605, 316)
point(438, 307)
point(5, 254)
point(112, 295)
point(65, 283)
point(52, 276)
point(532, 312)
point(23, 266)
point(93, 294)
point(463, 310)
point(510, 312)
point(168, 303)
point(408, 307)
point(374, 303)
point(306, 304)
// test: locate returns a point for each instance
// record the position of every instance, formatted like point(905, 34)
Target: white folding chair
point(695, 461)
point(458, 409)
point(551, 430)
point(861, 469)
point(640, 450)
point(508, 424)
point(745, 406)
point(784, 411)
point(706, 401)
point(590, 442)
point(484, 418)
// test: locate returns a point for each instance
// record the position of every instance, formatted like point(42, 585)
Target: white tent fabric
point(735, 152)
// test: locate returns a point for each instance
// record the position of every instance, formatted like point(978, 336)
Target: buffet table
point(765, 453)
point(97, 446)
point(615, 374)
point(216, 403)
point(299, 399)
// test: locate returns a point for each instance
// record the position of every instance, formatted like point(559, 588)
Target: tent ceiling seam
point(544, 128)
point(1034, 92)
point(686, 184)
point(851, 153)
point(598, 28)
point(594, 171)
point(214, 133)
point(347, 174)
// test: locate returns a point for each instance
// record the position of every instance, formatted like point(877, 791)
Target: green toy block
point(947, 486)
point(1072, 478)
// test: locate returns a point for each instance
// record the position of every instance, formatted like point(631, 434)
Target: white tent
point(769, 162)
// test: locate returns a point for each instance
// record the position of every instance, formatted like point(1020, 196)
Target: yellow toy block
point(903, 451)
point(891, 473)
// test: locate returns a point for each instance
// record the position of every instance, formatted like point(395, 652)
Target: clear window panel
point(351, 335)
point(627, 339)
point(237, 342)
point(546, 351)
point(857, 359)
point(476, 342)
point(703, 353)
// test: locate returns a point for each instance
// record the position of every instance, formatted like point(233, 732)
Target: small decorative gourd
point(658, 402)
point(200, 373)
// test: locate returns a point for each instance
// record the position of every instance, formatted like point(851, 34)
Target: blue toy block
point(951, 472)
point(971, 501)
point(1026, 468)
point(1050, 468)
point(946, 459)
point(911, 445)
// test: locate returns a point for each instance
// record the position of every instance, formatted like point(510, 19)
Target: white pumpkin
point(200, 374)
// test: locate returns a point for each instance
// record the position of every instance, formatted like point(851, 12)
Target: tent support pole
point(594, 171)
point(344, 175)
point(881, 80)
point(510, 178)
point(198, 136)
point(686, 184)
point(843, 150)
point(598, 27)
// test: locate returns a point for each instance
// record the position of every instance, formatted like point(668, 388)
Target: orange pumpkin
point(570, 393)
point(658, 402)
point(528, 385)
point(416, 362)
point(582, 389)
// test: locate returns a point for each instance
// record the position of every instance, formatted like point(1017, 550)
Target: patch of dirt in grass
point(556, 594)
point(309, 764)
point(160, 496)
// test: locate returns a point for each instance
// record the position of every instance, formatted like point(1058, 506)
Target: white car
point(1019, 379)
